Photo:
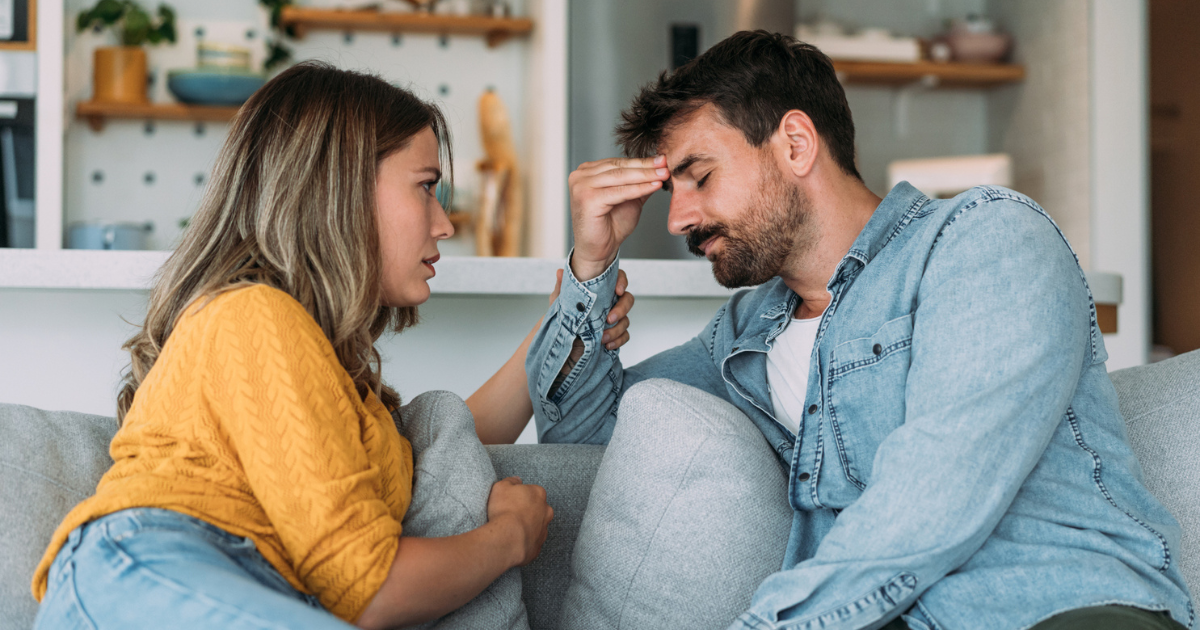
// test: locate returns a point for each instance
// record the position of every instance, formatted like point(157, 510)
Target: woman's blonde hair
point(291, 204)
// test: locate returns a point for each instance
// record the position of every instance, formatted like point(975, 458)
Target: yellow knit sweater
point(248, 421)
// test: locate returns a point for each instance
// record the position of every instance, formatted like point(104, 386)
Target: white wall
point(1120, 163)
point(1043, 122)
point(62, 349)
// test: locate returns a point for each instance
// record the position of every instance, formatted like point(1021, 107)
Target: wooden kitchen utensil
point(501, 216)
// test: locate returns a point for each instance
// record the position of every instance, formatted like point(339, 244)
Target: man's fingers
point(623, 176)
point(516, 481)
point(613, 163)
point(617, 195)
point(622, 282)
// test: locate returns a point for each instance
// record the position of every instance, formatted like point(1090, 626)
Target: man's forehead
point(702, 133)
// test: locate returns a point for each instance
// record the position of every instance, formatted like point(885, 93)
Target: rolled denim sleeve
point(1002, 327)
point(589, 393)
point(583, 409)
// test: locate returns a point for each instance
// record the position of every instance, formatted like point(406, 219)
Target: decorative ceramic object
point(119, 75)
point(214, 86)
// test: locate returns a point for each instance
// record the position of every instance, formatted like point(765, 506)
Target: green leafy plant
point(278, 53)
point(132, 24)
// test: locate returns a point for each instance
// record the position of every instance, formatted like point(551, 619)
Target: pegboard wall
point(156, 170)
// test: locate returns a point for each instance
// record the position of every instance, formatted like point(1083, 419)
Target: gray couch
point(49, 461)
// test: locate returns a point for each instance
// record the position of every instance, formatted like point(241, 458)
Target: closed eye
point(700, 184)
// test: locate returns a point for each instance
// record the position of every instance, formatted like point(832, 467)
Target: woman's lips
point(428, 262)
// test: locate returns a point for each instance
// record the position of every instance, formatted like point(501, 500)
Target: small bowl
point(978, 47)
point(218, 55)
point(214, 86)
point(108, 235)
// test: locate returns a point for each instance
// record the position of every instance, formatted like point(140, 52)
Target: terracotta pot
point(119, 75)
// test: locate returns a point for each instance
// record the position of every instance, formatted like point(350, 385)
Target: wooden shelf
point(937, 74)
point(18, 46)
point(496, 30)
point(97, 113)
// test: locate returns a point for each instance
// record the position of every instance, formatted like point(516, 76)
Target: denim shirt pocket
point(867, 377)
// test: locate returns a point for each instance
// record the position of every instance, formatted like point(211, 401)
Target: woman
point(259, 479)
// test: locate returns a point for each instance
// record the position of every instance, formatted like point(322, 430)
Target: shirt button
point(581, 308)
point(812, 409)
point(803, 477)
point(877, 349)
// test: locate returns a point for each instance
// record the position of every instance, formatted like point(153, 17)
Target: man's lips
point(707, 245)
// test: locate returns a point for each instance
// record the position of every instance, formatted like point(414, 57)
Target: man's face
point(732, 201)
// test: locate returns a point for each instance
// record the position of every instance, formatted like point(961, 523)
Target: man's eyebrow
point(687, 163)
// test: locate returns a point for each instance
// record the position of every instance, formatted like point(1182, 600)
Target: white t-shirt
point(787, 370)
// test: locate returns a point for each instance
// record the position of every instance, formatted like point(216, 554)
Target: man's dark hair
point(753, 78)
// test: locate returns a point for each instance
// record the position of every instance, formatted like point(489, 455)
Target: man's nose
point(682, 216)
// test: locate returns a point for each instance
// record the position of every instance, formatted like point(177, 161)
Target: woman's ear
point(799, 142)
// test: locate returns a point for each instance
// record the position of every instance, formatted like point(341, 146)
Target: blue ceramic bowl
point(214, 86)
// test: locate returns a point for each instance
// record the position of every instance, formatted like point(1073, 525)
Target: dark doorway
point(1175, 172)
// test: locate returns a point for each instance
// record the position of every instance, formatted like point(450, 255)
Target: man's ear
point(797, 142)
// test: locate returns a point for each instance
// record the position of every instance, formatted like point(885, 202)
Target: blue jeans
point(154, 568)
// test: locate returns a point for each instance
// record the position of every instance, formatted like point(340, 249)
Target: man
point(930, 372)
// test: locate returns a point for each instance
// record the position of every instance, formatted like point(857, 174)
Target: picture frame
point(24, 28)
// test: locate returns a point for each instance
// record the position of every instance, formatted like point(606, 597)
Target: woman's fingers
point(619, 340)
point(621, 308)
point(558, 286)
point(616, 335)
point(622, 282)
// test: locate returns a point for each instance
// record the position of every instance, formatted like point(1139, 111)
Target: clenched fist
point(524, 507)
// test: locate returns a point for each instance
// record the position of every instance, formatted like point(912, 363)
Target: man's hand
point(606, 202)
point(524, 507)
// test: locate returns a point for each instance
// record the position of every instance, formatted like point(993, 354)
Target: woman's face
point(410, 219)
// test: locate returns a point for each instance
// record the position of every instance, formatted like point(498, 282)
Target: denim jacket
point(962, 462)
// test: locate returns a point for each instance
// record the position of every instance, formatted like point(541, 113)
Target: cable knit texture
point(248, 421)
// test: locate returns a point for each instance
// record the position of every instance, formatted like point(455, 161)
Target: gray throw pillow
point(49, 462)
point(1161, 405)
point(688, 514)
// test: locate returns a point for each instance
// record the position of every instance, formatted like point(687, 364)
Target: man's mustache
point(698, 236)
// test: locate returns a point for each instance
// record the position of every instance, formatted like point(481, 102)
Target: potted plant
point(119, 74)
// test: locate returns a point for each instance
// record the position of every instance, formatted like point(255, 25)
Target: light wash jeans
point(154, 568)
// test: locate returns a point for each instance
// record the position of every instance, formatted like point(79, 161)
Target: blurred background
point(1087, 106)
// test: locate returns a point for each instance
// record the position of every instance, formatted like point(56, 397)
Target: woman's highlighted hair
point(291, 204)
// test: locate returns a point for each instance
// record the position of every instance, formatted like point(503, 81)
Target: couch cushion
point(566, 471)
point(1161, 405)
point(49, 461)
point(688, 514)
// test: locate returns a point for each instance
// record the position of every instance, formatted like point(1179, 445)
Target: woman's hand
point(525, 507)
point(430, 577)
point(617, 332)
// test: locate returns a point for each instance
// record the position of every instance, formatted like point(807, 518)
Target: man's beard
point(756, 248)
